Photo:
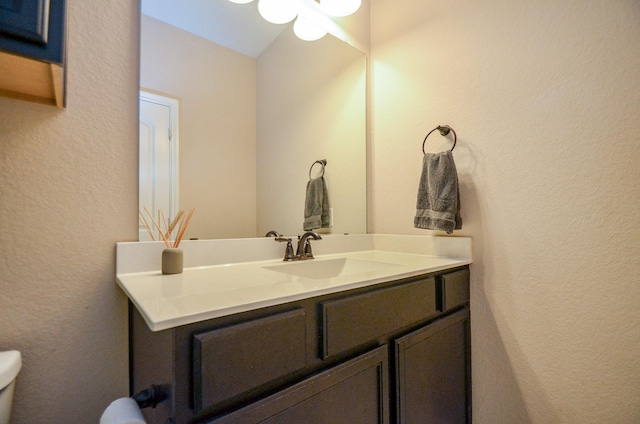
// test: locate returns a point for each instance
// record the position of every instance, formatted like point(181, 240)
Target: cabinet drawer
point(356, 320)
point(453, 289)
point(230, 361)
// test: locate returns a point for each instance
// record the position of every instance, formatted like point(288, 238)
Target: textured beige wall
point(68, 183)
point(545, 98)
point(311, 105)
point(217, 91)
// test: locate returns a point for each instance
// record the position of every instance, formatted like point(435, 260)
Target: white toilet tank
point(10, 364)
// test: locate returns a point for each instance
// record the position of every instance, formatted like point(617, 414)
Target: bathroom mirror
point(251, 124)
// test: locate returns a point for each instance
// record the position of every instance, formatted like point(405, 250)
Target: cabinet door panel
point(33, 29)
point(356, 320)
point(353, 401)
point(354, 392)
point(25, 19)
point(230, 361)
point(433, 373)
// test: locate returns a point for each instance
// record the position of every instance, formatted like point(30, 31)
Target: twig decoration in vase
point(172, 256)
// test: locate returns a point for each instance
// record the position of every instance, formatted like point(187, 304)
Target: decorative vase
point(172, 261)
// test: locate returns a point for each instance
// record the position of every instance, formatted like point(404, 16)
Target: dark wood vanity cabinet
point(396, 352)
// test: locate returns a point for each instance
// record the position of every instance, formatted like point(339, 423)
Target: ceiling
point(236, 26)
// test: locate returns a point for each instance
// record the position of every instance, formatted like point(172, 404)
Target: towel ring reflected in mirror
point(322, 162)
point(444, 130)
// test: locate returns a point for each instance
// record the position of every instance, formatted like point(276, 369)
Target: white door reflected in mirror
point(158, 156)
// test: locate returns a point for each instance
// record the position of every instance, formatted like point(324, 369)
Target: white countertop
point(205, 292)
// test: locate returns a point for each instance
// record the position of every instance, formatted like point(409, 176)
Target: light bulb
point(307, 30)
point(276, 11)
point(340, 7)
point(241, 1)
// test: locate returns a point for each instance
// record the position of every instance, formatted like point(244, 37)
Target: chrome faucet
point(304, 246)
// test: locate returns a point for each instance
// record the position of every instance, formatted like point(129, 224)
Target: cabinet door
point(433, 373)
point(26, 19)
point(354, 392)
point(33, 28)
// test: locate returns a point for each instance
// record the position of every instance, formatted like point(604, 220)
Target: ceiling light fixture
point(277, 11)
point(306, 29)
point(313, 21)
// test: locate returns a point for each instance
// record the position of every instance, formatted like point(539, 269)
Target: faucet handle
point(304, 244)
point(288, 252)
point(308, 253)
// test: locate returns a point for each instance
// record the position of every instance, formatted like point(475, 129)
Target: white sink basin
point(329, 268)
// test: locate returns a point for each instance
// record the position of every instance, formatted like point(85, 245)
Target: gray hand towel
point(438, 205)
point(316, 206)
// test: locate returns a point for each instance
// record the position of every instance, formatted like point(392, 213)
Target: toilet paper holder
point(152, 396)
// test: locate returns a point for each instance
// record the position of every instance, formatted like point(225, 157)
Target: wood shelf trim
point(31, 80)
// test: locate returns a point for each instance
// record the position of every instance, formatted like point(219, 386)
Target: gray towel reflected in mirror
point(316, 207)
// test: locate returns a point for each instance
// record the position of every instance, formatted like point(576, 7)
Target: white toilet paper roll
point(122, 411)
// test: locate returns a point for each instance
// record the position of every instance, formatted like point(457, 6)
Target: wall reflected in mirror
point(251, 124)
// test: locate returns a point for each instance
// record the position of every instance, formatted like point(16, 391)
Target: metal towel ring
point(322, 162)
point(444, 130)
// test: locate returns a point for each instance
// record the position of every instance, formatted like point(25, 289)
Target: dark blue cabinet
point(33, 29)
point(32, 52)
